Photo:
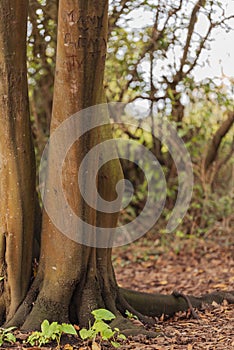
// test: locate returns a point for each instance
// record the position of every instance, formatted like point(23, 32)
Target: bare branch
point(113, 19)
point(191, 26)
point(200, 48)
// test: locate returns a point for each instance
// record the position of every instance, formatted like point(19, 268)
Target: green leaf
point(130, 315)
point(86, 333)
point(7, 330)
point(54, 328)
point(10, 338)
point(53, 336)
point(115, 344)
point(45, 326)
point(107, 334)
point(33, 338)
point(100, 326)
point(68, 329)
point(103, 314)
point(122, 336)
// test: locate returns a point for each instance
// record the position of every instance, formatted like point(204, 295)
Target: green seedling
point(50, 332)
point(130, 315)
point(102, 329)
point(7, 336)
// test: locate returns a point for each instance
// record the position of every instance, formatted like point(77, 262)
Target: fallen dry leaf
point(95, 346)
point(68, 347)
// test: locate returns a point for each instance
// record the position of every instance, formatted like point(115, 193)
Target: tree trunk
point(212, 151)
point(177, 112)
point(73, 279)
point(17, 170)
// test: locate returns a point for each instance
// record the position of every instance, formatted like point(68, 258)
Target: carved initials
point(84, 42)
point(70, 16)
point(84, 22)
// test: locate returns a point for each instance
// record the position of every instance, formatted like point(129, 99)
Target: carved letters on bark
point(90, 43)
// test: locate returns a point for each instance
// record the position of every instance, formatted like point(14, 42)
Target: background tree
point(155, 63)
point(41, 53)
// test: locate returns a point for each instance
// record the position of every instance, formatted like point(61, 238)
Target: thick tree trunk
point(74, 279)
point(17, 172)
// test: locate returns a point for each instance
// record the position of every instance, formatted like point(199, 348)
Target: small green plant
point(130, 315)
point(101, 328)
point(7, 336)
point(50, 332)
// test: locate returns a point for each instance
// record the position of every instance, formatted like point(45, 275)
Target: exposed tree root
point(154, 305)
point(178, 294)
point(123, 305)
point(25, 308)
point(129, 329)
point(46, 309)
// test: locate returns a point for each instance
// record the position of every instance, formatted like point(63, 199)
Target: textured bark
point(17, 171)
point(74, 279)
point(217, 139)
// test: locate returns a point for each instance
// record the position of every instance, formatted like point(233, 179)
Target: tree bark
point(74, 279)
point(217, 139)
point(17, 170)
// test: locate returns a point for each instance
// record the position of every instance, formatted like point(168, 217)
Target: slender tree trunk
point(17, 172)
point(217, 139)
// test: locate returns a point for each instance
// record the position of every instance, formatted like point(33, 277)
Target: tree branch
point(191, 26)
point(216, 141)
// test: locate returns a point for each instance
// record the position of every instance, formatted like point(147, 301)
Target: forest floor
point(191, 265)
point(194, 266)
